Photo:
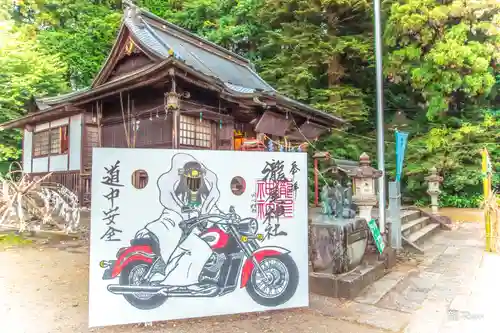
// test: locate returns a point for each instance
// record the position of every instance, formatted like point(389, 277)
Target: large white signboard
point(211, 233)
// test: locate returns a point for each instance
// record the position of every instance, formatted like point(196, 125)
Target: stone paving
point(452, 288)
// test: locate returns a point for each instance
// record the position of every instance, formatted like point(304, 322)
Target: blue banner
point(401, 140)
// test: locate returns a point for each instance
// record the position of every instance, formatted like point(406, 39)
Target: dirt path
point(45, 291)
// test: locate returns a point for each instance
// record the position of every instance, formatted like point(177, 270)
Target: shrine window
point(51, 142)
point(195, 132)
point(41, 143)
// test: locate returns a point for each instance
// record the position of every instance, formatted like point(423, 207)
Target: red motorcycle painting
point(269, 274)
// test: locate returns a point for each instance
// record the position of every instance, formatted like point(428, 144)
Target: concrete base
point(347, 285)
point(390, 257)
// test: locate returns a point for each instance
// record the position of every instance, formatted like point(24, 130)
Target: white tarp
point(212, 233)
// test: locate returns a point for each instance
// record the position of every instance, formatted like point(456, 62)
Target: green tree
point(26, 71)
point(442, 68)
point(317, 52)
point(80, 31)
point(448, 51)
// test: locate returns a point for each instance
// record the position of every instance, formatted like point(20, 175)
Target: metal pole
point(394, 216)
point(380, 114)
point(316, 187)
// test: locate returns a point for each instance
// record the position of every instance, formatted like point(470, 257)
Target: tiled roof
point(168, 40)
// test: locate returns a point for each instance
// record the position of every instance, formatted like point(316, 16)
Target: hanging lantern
point(172, 100)
point(201, 116)
point(220, 124)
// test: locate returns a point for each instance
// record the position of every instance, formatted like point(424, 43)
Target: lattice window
point(59, 140)
point(55, 141)
point(194, 132)
point(41, 143)
point(51, 142)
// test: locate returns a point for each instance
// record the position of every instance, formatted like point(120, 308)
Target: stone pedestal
point(434, 202)
point(337, 245)
point(365, 212)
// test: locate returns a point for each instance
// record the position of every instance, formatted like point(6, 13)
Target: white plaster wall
point(59, 122)
point(58, 163)
point(55, 123)
point(27, 150)
point(40, 164)
point(75, 142)
point(41, 127)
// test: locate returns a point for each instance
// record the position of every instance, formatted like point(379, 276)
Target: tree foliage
point(447, 51)
point(441, 65)
point(314, 51)
point(26, 71)
point(81, 32)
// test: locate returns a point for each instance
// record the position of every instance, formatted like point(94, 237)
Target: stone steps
point(409, 215)
point(402, 291)
point(413, 226)
point(376, 291)
point(416, 236)
point(416, 228)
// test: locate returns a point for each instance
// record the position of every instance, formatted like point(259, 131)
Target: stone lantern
point(365, 196)
point(433, 181)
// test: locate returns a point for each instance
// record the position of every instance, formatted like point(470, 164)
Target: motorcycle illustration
point(269, 273)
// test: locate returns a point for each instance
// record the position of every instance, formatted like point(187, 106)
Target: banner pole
point(380, 114)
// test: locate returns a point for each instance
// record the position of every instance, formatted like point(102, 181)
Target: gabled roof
point(167, 44)
point(162, 39)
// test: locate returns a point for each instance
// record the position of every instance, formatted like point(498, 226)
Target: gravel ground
point(44, 290)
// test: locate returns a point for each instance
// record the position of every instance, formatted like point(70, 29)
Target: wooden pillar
point(175, 129)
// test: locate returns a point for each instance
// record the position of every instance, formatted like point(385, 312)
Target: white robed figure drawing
point(188, 189)
point(192, 249)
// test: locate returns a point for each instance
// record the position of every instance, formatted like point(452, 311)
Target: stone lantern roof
point(364, 170)
point(434, 177)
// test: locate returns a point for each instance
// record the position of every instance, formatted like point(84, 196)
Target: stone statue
point(332, 200)
point(326, 201)
point(347, 210)
point(338, 198)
